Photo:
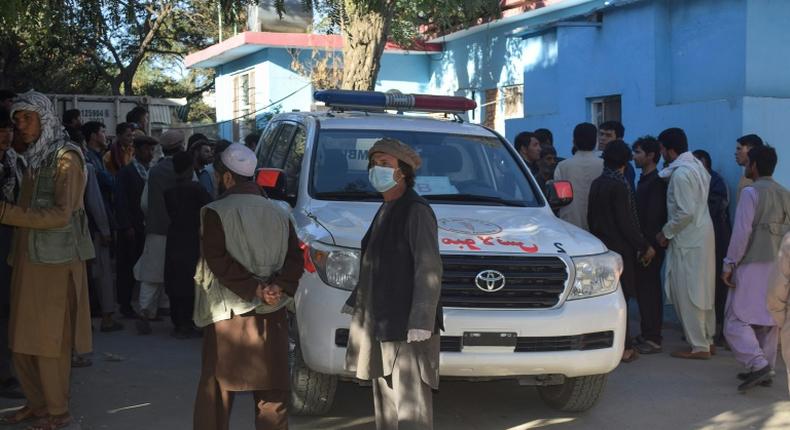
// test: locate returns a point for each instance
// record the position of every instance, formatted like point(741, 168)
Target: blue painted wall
point(278, 86)
point(717, 68)
point(689, 64)
point(481, 61)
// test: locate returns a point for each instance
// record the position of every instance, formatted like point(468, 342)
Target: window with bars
point(512, 101)
point(243, 104)
point(604, 109)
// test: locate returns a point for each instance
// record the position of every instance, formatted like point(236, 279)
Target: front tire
point(312, 393)
point(575, 394)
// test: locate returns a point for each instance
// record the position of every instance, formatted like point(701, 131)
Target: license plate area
point(475, 339)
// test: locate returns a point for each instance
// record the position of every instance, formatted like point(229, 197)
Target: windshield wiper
point(348, 195)
point(474, 198)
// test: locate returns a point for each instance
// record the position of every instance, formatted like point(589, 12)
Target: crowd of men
point(94, 232)
point(673, 230)
point(85, 226)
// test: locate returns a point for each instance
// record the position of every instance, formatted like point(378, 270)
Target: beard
point(19, 146)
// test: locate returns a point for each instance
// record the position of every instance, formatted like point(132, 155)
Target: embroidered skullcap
point(397, 149)
point(240, 160)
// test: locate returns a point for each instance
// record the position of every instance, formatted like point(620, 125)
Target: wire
point(242, 116)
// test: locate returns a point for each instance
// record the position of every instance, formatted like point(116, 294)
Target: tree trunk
point(128, 90)
point(115, 85)
point(365, 38)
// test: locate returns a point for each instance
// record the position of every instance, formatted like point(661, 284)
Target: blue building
point(717, 68)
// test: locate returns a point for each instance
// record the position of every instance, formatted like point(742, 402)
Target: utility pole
point(219, 19)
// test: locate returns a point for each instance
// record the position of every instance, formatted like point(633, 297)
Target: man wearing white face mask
point(396, 315)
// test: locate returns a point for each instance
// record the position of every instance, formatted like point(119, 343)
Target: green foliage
point(93, 46)
point(412, 19)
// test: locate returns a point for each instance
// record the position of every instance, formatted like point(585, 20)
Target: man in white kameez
point(690, 271)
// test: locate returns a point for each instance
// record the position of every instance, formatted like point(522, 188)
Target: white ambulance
point(526, 296)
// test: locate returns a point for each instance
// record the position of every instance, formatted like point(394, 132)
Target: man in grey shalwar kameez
point(394, 335)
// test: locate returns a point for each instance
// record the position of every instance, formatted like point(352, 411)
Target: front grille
point(530, 282)
point(582, 342)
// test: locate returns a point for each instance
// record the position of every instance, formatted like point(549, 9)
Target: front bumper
point(319, 319)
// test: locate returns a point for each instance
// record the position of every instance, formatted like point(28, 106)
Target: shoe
point(164, 312)
point(143, 326)
point(113, 326)
point(633, 357)
point(129, 313)
point(9, 389)
point(701, 355)
point(78, 361)
point(649, 347)
point(767, 383)
point(712, 349)
point(755, 378)
point(182, 333)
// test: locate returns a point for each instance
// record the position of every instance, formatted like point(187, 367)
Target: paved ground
point(157, 377)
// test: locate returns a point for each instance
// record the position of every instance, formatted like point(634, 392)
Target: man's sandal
point(20, 416)
point(52, 423)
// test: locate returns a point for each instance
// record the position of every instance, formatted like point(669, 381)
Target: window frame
point(295, 191)
point(282, 126)
point(598, 115)
point(522, 167)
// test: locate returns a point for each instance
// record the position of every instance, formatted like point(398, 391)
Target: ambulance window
point(293, 164)
point(265, 144)
point(281, 144)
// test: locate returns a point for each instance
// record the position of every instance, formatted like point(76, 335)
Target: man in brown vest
point(49, 290)
point(762, 218)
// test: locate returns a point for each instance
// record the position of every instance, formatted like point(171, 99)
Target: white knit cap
point(240, 160)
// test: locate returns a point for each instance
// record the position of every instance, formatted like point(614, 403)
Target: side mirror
point(559, 193)
point(273, 182)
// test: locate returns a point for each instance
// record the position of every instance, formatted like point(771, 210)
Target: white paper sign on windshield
point(427, 185)
point(358, 157)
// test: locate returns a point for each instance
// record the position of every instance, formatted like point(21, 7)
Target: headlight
point(596, 275)
point(337, 267)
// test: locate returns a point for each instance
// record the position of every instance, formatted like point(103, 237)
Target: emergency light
point(395, 100)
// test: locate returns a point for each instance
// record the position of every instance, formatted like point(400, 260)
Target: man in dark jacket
point(150, 268)
point(613, 219)
point(183, 203)
point(396, 314)
point(719, 208)
point(130, 183)
point(651, 207)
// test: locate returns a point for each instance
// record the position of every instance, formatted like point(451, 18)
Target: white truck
point(526, 296)
point(112, 110)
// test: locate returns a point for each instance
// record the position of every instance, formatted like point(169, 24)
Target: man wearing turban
point(49, 290)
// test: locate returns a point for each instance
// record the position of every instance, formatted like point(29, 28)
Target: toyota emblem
point(490, 281)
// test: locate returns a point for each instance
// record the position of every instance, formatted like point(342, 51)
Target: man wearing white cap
point(250, 259)
point(150, 268)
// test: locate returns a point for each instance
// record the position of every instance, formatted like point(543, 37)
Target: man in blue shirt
point(203, 156)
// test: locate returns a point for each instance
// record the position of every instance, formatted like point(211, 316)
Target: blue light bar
point(376, 100)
